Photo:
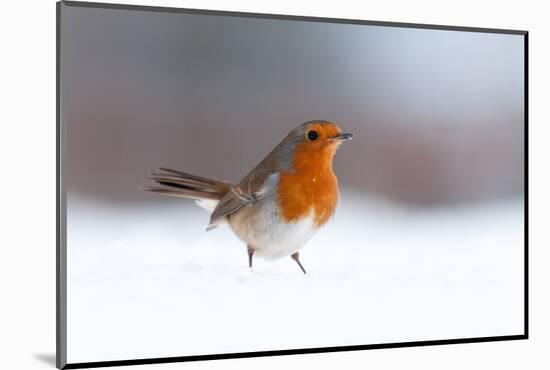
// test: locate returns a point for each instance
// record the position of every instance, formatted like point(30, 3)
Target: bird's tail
point(185, 185)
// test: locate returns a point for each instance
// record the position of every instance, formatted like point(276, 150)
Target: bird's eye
point(312, 135)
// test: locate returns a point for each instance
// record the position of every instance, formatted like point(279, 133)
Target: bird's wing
point(232, 201)
point(251, 189)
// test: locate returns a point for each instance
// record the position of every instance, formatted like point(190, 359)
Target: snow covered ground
point(150, 282)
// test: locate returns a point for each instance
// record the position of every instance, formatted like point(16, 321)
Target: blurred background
point(437, 115)
point(431, 210)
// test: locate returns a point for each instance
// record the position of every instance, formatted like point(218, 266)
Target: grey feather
point(230, 203)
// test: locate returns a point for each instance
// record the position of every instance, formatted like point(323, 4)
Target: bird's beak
point(342, 137)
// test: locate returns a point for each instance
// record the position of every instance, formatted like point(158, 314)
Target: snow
point(149, 281)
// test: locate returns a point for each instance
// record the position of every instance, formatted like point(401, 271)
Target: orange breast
point(310, 185)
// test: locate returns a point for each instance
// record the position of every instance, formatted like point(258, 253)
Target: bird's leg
point(296, 257)
point(250, 254)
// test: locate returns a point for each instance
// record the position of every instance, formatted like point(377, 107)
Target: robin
point(281, 203)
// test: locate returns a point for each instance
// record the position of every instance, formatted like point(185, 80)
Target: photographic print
point(234, 184)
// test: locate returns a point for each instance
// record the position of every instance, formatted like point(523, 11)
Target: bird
point(281, 203)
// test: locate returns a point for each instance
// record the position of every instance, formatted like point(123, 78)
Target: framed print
point(236, 185)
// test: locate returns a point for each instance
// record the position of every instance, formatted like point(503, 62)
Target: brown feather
point(185, 185)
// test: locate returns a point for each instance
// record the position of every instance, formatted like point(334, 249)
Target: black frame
point(61, 267)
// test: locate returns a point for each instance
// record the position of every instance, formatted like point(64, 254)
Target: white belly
point(261, 227)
